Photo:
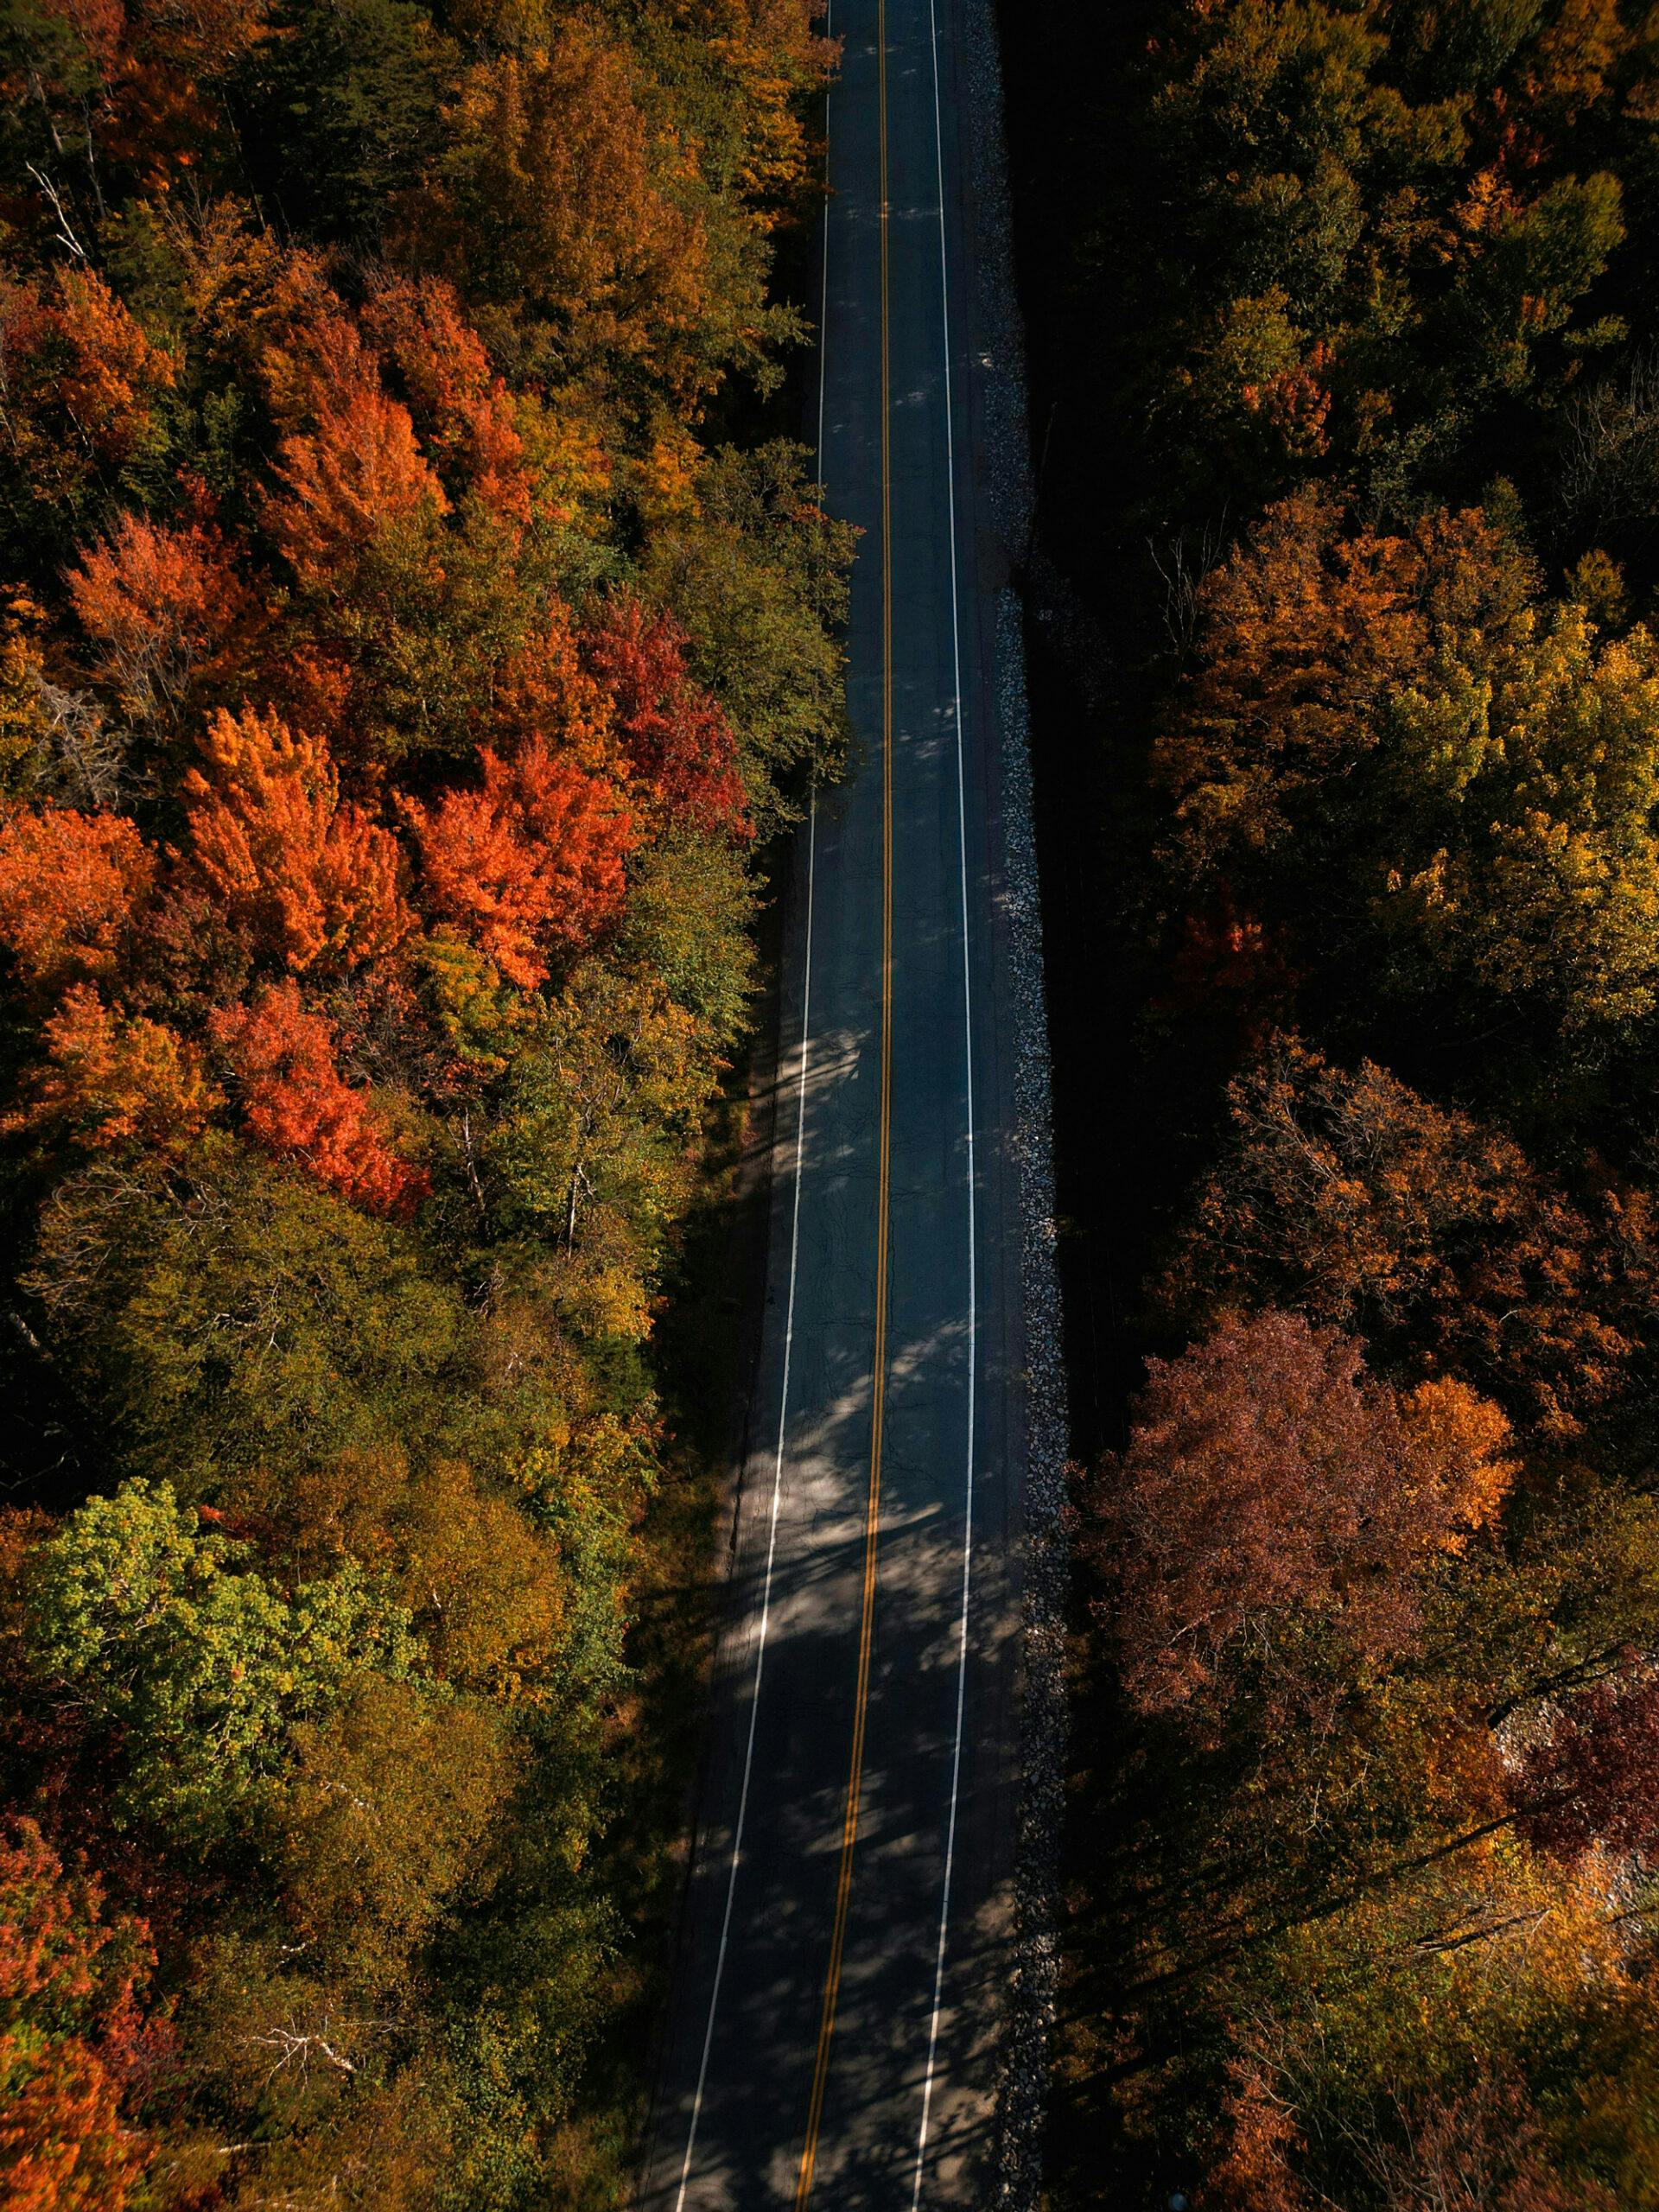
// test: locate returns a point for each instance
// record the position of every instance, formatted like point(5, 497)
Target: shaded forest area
point(412, 640)
point(1344, 326)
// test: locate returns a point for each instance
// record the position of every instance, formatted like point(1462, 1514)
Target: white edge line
point(968, 1041)
point(789, 1320)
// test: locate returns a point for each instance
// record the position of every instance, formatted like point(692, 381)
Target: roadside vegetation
point(411, 639)
point(1345, 320)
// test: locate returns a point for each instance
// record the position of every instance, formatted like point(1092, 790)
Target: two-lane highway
point(835, 2031)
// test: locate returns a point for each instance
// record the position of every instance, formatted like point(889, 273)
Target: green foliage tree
point(247, 1320)
point(1528, 787)
point(758, 576)
point(166, 1631)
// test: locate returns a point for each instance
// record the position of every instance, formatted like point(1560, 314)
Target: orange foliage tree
point(313, 876)
point(70, 2033)
point(83, 382)
point(114, 376)
point(545, 685)
point(69, 885)
point(1299, 636)
point(678, 742)
point(159, 604)
point(531, 860)
point(109, 1081)
point(359, 474)
point(297, 1103)
point(461, 408)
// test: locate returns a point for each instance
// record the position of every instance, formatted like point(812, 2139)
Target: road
point(834, 2032)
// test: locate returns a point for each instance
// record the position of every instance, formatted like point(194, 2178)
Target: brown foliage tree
point(1483, 2149)
point(1267, 1479)
point(1354, 1197)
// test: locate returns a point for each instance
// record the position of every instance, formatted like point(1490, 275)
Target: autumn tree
point(86, 384)
point(462, 409)
point(1302, 636)
point(529, 864)
point(1527, 783)
point(681, 747)
point(569, 212)
point(159, 605)
point(1377, 1210)
point(690, 906)
point(316, 879)
point(70, 886)
point(1267, 1479)
point(296, 1102)
point(352, 480)
point(71, 2033)
point(110, 1080)
point(240, 1319)
point(593, 1149)
point(387, 1817)
point(1592, 1776)
point(756, 569)
point(169, 1635)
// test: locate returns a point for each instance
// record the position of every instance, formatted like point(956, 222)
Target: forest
point(1345, 323)
point(415, 635)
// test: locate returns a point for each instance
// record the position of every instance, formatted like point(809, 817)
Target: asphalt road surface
point(835, 2030)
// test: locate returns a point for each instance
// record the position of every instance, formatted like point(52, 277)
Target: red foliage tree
point(313, 876)
point(70, 2034)
point(679, 744)
point(160, 604)
point(1268, 1478)
point(1595, 1777)
point(69, 885)
point(297, 1103)
point(533, 860)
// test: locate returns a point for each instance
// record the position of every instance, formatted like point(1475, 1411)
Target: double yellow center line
point(879, 1384)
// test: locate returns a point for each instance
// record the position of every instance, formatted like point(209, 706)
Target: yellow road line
point(879, 1384)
